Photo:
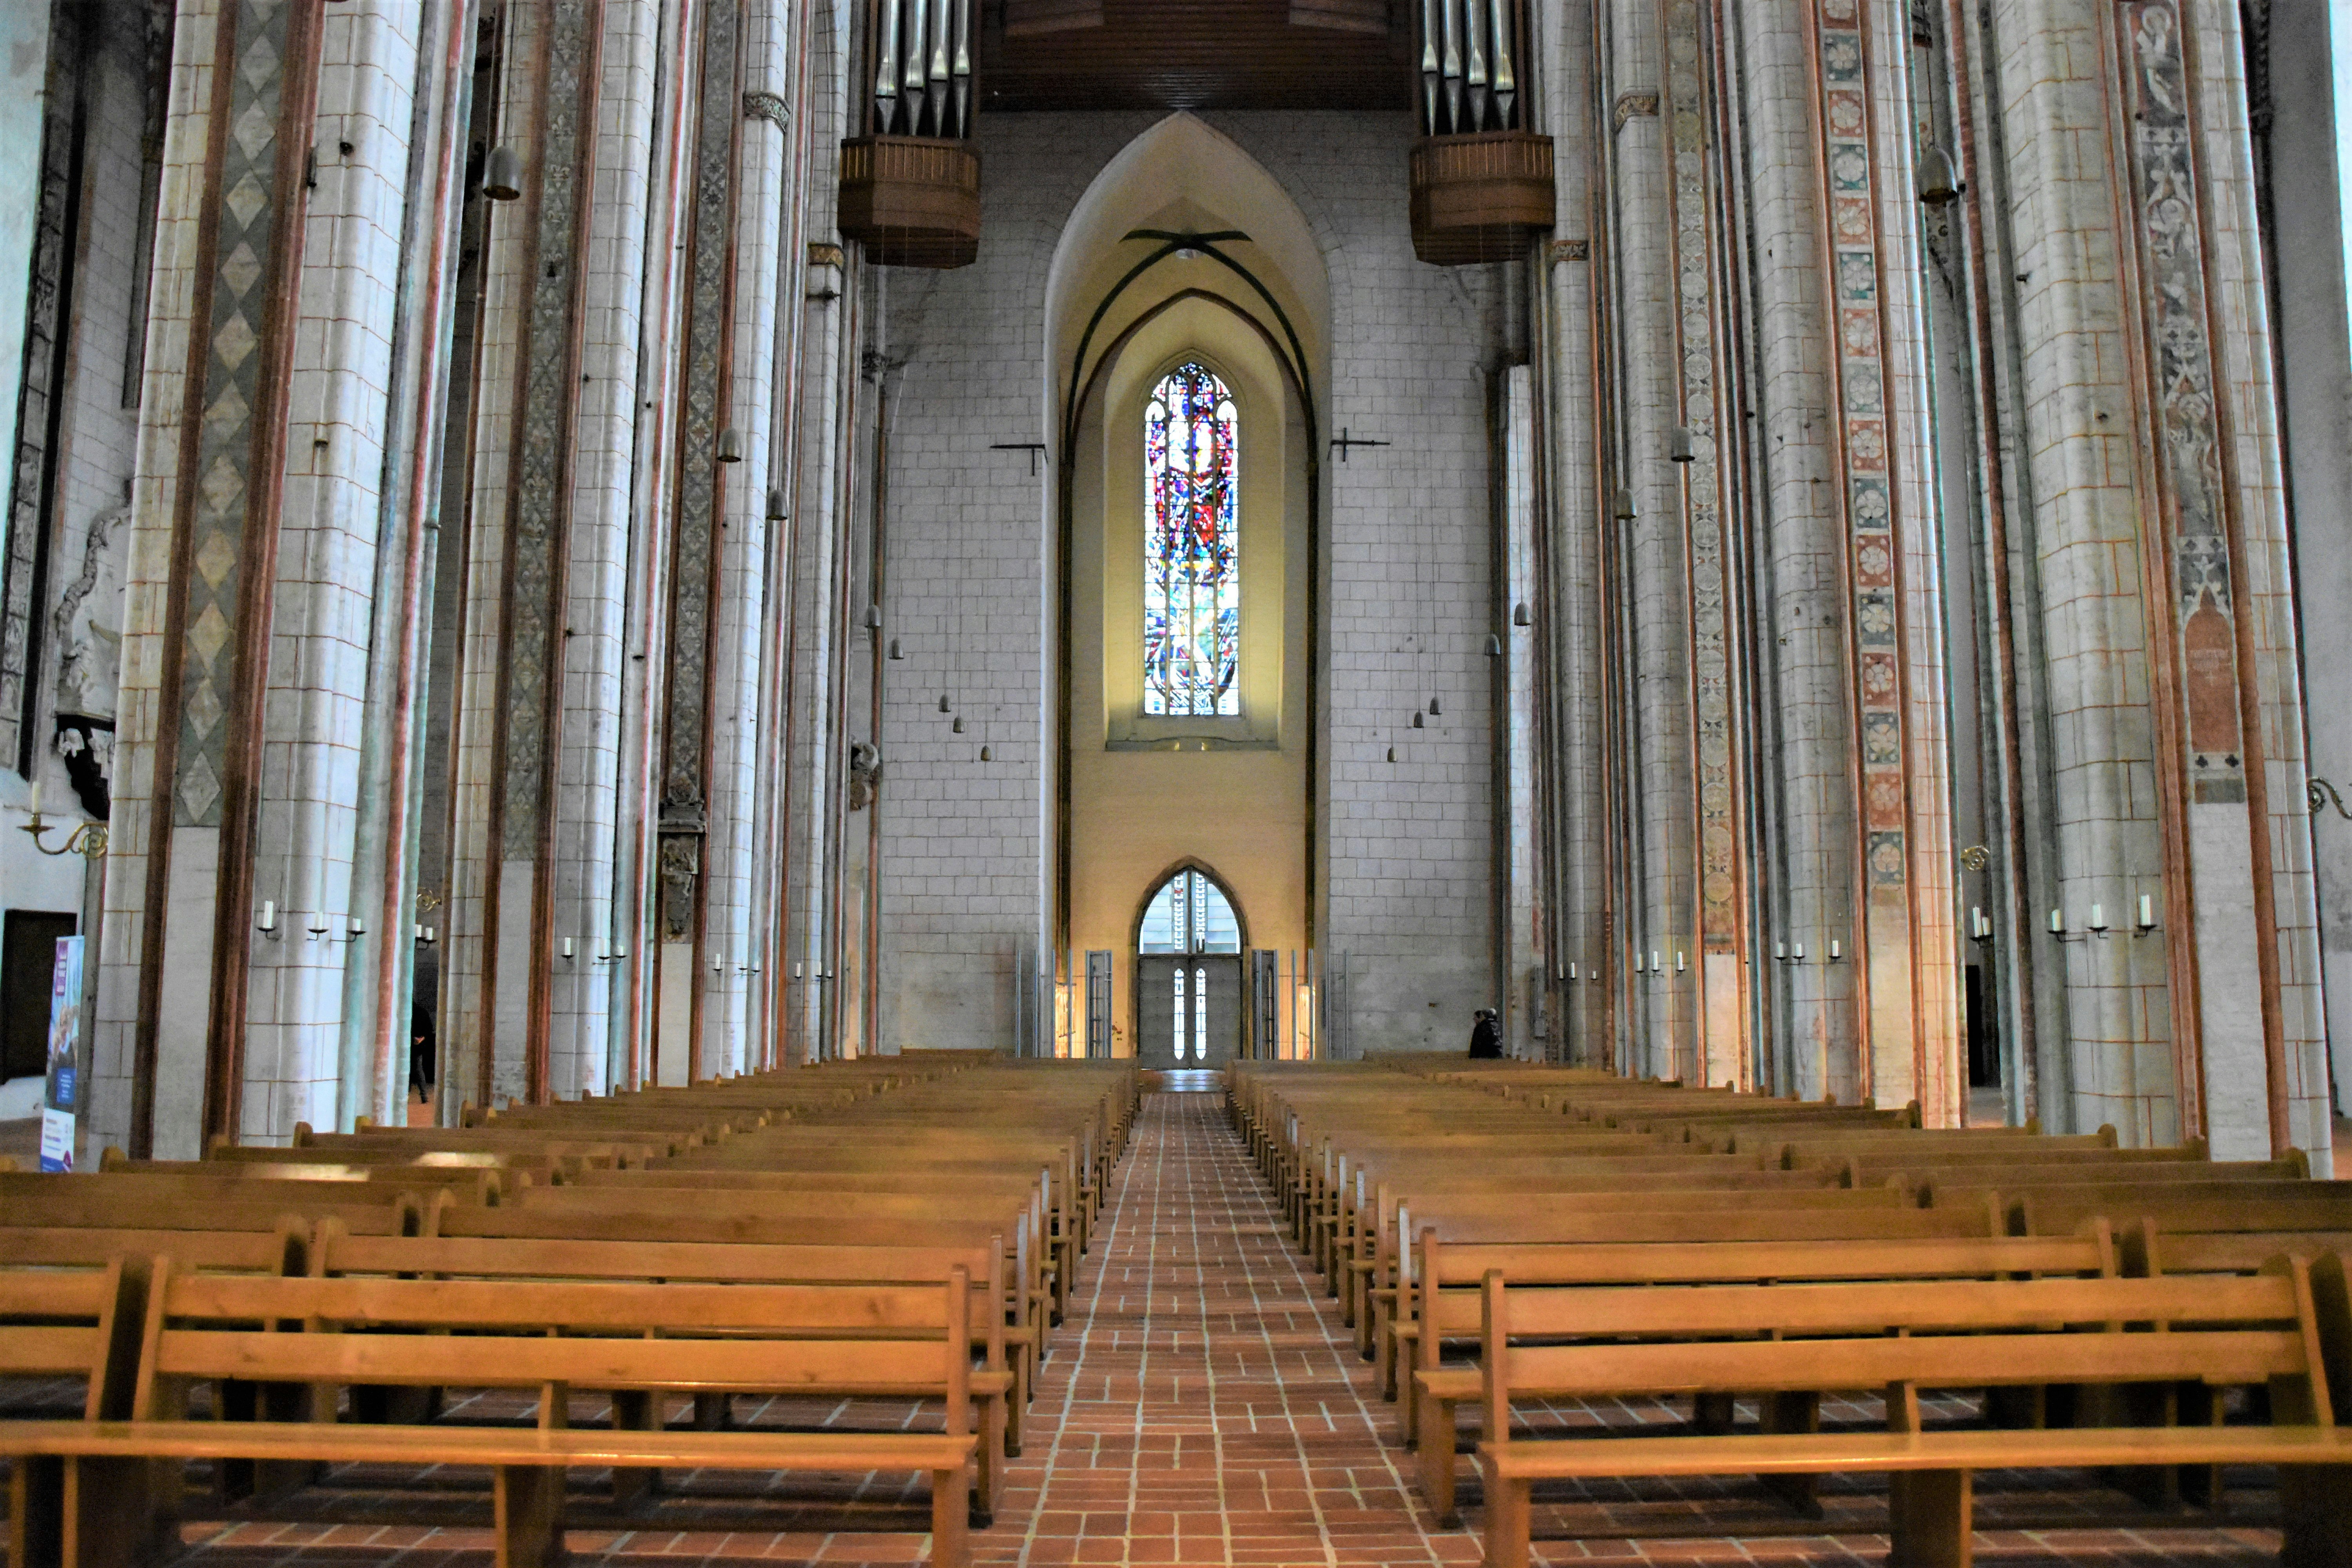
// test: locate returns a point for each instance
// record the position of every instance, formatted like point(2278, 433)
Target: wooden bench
point(1907, 1338)
point(74, 1324)
point(746, 1339)
point(1450, 1305)
point(1001, 1384)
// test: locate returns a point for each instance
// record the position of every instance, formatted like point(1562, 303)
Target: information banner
point(61, 1104)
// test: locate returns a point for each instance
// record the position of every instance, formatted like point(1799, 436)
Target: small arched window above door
point(1189, 913)
point(1191, 573)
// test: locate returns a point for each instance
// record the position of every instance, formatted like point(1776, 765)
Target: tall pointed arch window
point(1191, 570)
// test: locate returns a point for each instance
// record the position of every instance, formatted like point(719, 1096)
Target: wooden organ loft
point(1478, 181)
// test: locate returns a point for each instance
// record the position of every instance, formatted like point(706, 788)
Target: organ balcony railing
point(1481, 182)
point(910, 185)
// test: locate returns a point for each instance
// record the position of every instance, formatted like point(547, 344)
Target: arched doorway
point(1188, 974)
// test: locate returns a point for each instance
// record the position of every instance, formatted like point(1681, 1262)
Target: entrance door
point(1190, 1010)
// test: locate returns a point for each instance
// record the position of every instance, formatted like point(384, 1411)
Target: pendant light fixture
point(1681, 445)
point(503, 176)
point(1417, 721)
point(1435, 711)
point(893, 649)
point(1519, 615)
point(775, 503)
point(731, 446)
point(943, 701)
point(873, 618)
point(958, 727)
point(984, 754)
point(1493, 646)
point(1939, 179)
point(1622, 508)
point(1392, 753)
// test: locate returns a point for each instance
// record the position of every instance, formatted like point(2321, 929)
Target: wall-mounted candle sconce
point(1797, 953)
point(1837, 951)
point(2147, 921)
point(1657, 964)
point(567, 949)
point(2098, 925)
point(319, 928)
point(1979, 928)
point(1780, 953)
point(268, 924)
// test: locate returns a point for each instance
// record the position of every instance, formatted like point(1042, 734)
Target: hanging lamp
point(1519, 615)
point(775, 503)
point(1939, 179)
point(503, 176)
point(731, 446)
point(1622, 508)
point(1681, 445)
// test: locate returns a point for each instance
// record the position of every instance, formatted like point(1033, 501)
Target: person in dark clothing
point(420, 1051)
point(1485, 1039)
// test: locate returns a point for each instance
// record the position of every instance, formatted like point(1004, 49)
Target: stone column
point(1576, 515)
point(736, 741)
point(330, 522)
point(1657, 746)
point(502, 943)
point(584, 801)
point(181, 896)
point(1801, 565)
point(2081, 452)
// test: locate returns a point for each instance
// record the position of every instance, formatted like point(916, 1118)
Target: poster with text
point(61, 1104)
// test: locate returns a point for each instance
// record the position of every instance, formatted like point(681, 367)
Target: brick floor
point(1205, 1406)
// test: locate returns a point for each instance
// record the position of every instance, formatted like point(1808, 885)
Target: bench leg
point(1436, 1455)
point(713, 1412)
point(1713, 1413)
point(1794, 1412)
point(635, 1410)
point(1930, 1520)
point(528, 1500)
point(2317, 1530)
point(37, 1516)
point(950, 1534)
point(109, 1514)
point(988, 1488)
point(1507, 1521)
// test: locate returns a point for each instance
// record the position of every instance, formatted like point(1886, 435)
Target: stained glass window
point(1191, 579)
point(1190, 914)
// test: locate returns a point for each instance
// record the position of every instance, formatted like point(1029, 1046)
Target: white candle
point(2057, 923)
point(1800, 954)
point(269, 914)
point(36, 802)
point(1836, 952)
point(2098, 918)
point(2146, 911)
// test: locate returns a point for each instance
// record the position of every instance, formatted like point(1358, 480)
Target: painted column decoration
point(694, 580)
point(2228, 1032)
point(180, 892)
point(538, 505)
point(1875, 558)
point(1721, 1053)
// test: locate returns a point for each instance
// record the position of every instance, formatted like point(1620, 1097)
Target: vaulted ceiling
point(1195, 54)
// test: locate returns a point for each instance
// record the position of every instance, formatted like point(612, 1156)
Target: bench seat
point(527, 1466)
point(1931, 1526)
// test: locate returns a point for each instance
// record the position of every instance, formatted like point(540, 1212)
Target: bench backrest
point(1909, 1336)
point(74, 1323)
point(886, 1341)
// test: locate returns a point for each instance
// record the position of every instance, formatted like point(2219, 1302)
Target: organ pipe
point(1469, 65)
point(923, 69)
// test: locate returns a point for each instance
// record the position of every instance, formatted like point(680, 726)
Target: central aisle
point(1204, 1403)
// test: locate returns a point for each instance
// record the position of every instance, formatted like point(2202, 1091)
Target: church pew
point(76, 1203)
point(202, 1180)
point(75, 1325)
point(1861, 1221)
point(1448, 1302)
point(761, 1341)
point(1803, 1340)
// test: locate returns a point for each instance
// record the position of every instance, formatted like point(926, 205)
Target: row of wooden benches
point(1416, 1187)
point(839, 1233)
